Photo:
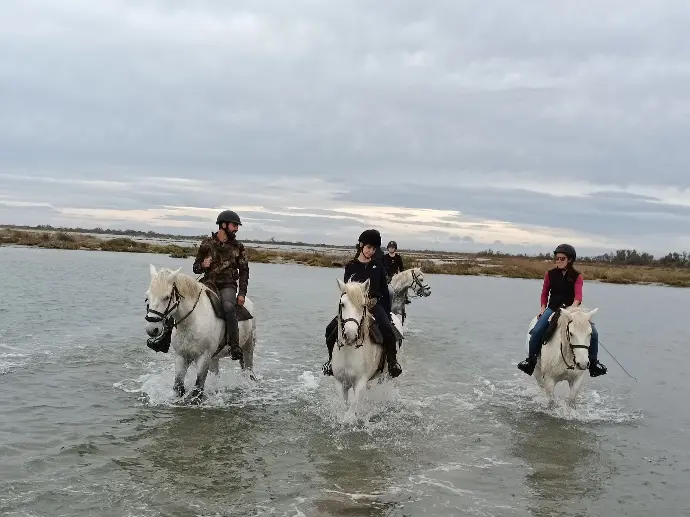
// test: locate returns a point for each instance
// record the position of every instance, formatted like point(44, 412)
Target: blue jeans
point(542, 324)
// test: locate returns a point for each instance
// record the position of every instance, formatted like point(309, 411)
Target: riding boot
point(233, 338)
point(528, 365)
point(391, 356)
point(596, 369)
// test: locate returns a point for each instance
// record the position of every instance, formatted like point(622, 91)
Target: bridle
point(572, 347)
point(359, 341)
point(173, 304)
point(420, 288)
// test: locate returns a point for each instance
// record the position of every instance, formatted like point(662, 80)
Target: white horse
point(356, 358)
point(565, 356)
point(189, 316)
point(400, 284)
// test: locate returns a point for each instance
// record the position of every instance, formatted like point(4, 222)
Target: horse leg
point(198, 392)
point(538, 376)
point(214, 367)
point(574, 390)
point(549, 385)
point(342, 389)
point(181, 365)
point(247, 346)
point(248, 355)
point(359, 389)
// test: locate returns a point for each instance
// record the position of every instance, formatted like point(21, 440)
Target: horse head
point(410, 279)
point(353, 311)
point(578, 331)
point(418, 286)
point(162, 299)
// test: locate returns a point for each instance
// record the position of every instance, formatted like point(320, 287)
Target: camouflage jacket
point(229, 266)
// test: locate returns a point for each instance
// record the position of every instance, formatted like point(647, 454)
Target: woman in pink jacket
point(562, 288)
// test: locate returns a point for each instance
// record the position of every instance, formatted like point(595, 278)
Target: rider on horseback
point(359, 269)
point(392, 261)
point(562, 287)
point(223, 260)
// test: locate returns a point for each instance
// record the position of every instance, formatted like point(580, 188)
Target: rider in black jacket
point(361, 268)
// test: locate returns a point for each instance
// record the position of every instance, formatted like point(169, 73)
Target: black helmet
point(371, 237)
point(567, 250)
point(392, 244)
point(228, 216)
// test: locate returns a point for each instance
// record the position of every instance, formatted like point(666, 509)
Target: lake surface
point(88, 424)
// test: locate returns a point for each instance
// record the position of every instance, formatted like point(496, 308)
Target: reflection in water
point(565, 461)
point(199, 458)
point(355, 474)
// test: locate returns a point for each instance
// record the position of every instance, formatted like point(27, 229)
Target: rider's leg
point(331, 338)
point(536, 335)
point(595, 367)
point(229, 297)
point(384, 323)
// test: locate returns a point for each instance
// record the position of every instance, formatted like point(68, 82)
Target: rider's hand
point(206, 263)
point(240, 300)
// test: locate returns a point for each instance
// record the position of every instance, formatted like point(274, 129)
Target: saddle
point(551, 329)
point(377, 337)
point(241, 311)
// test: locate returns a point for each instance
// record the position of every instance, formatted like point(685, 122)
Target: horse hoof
point(179, 391)
point(196, 396)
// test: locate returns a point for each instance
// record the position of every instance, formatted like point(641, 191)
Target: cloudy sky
point(448, 124)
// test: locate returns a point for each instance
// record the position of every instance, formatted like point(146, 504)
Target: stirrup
point(235, 354)
point(394, 368)
point(528, 365)
point(596, 369)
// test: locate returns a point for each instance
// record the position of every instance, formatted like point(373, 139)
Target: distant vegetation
point(622, 267)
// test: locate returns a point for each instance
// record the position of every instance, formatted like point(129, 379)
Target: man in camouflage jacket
point(223, 260)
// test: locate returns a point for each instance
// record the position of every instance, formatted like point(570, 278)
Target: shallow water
point(88, 424)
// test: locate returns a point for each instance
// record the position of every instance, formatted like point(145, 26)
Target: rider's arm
point(347, 274)
point(400, 263)
point(243, 266)
point(545, 292)
point(204, 251)
point(385, 294)
point(578, 290)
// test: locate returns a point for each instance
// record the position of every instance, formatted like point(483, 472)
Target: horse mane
point(359, 298)
point(186, 285)
point(399, 279)
point(578, 321)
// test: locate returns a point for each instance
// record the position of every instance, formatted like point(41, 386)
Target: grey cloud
point(373, 97)
point(602, 214)
point(534, 89)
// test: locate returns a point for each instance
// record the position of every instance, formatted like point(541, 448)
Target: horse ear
point(566, 313)
point(592, 313)
point(341, 285)
point(152, 270)
point(173, 275)
point(365, 285)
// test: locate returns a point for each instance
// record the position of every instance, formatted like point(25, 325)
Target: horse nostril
point(155, 331)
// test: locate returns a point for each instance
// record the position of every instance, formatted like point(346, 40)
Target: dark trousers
point(384, 323)
point(228, 296)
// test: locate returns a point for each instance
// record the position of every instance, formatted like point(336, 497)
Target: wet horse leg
point(203, 363)
point(181, 365)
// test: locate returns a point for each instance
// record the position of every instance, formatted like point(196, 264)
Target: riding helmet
point(392, 244)
point(567, 250)
point(228, 216)
point(371, 237)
